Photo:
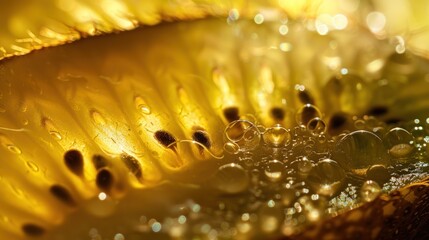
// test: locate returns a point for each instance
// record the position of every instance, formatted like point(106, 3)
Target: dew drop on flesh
point(316, 126)
point(369, 191)
point(306, 113)
point(276, 136)
point(359, 150)
point(327, 178)
point(399, 143)
point(274, 170)
point(231, 178)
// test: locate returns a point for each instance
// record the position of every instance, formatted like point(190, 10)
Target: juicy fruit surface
point(168, 105)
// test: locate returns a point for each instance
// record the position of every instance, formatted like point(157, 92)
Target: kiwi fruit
point(175, 120)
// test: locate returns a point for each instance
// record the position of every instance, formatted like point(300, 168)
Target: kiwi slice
point(243, 125)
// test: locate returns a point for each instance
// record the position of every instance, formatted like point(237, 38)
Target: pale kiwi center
point(207, 130)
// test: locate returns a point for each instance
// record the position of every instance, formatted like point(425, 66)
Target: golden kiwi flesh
point(304, 120)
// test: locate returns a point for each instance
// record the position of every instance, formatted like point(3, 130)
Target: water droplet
point(231, 147)
point(327, 178)
point(274, 170)
point(316, 126)
point(306, 113)
point(9, 145)
point(33, 166)
point(378, 173)
point(359, 150)
point(303, 166)
point(156, 227)
point(244, 133)
point(360, 124)
point(369, 191)
point(276, 136)
point(141, 105)
point(119, 236)
point(231, 178)
point(13, 148)
point(399, 143)
point(51, 128)
point(97, 117)
point(401, 151)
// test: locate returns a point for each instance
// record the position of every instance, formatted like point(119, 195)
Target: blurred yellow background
point(26, 25)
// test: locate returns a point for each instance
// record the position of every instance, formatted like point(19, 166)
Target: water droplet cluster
point(278, 180)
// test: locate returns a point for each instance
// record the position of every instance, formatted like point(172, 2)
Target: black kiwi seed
point(165, 138)
point(337, 123)
point(201, 137)
point(308, 113)
point(32, 230)
point(99, 161)
point(74, 161)
point(277, 113)
point(231, 114)
point(393, 121)
point(62, 194)
point(133, 165)
point(378, 111)
point(104, 179)
point(305, 97)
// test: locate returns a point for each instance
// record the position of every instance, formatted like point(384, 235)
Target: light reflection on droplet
point(233, 15)
point(285, 47)
point(97, 117)
point(276, 136)
point(102, 196)
point(119, 236)
point(322, 29)
point(33, 166)
point(399, 143)
point(181, 219)
point(369, 191)
point(259, 18)
point(196, 208)
point(283, 29)
point(14, 149)
point(340, 21)
point(376, 21)
point(231, 147)
point(245, 217)
point(274, 170)
point(51, 128)
point(231, 178)
point(326, 178)
point(141, 105)
point(316, 126)
point(156, 227)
